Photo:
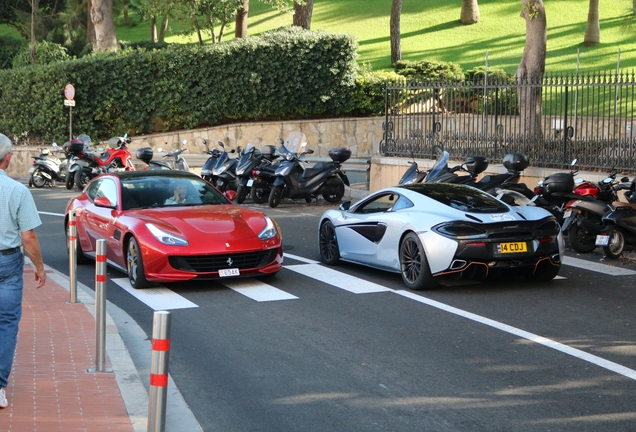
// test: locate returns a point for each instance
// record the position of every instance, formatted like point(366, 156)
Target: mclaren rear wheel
point(414, 267)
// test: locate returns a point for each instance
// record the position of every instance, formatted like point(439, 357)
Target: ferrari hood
point(201, 223)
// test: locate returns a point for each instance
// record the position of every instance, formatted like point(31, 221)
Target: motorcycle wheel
point(260, 192)
point(580, 240)
point(276, 195)
point(70, 180)
point(616, 244)
point(241, 194)
point(37, 179)
point(337, 196)
point(82, 177)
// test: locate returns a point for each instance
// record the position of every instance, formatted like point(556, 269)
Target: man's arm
point(32, 249)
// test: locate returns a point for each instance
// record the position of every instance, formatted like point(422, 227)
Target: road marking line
point(301, 259)
point(337, 279)
point(598, 267)
point(605, 364)
point(257, 290)
point(158, 298)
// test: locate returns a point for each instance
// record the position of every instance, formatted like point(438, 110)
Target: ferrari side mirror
point(103, 202)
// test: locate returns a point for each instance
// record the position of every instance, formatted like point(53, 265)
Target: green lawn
point(431, 31)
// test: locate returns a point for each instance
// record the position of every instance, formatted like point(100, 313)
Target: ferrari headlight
point(166, 238)
point(269, 231)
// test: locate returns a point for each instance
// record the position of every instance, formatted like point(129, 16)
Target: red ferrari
point(167, 226)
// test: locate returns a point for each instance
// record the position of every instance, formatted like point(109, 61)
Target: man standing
point(18, 218)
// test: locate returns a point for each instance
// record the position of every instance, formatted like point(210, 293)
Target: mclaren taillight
point(459, 229)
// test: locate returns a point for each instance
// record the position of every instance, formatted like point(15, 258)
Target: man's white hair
point(5, 147)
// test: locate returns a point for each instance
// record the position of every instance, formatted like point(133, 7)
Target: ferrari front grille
point(214, 263)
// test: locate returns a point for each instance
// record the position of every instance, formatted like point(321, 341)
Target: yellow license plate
point(512, 247)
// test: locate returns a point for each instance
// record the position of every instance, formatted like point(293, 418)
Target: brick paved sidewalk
point(50, 388)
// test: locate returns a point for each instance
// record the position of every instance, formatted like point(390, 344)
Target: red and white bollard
point(72, 256)
point(159, 371)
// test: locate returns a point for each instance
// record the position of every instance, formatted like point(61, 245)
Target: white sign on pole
point(69, 102)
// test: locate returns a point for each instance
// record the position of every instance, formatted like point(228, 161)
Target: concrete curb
point(133, 385)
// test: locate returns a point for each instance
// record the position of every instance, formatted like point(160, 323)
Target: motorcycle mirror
point(574, 161)
point(221, 144)
point(54, 144)
point(310, 151)
point(126, 135)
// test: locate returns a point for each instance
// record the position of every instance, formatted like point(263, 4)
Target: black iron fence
point(588, 117)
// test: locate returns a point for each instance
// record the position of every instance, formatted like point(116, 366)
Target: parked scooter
point(413, 174)
point(582, 219)
point(88, 165)
point(47, 168)
point(264, 175)
point(619, 234)
point(250, 159)
point(219, 169)
point(294, 181)
point(73, 149)
point(145, 154)
point(178, 162)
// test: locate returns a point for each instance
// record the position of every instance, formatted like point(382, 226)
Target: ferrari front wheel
point(328, 244)
point(135, 265)
point(414, 267)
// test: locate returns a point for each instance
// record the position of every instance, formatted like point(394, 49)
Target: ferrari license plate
point(512, 247)
point(602, 240)
point(229, 272)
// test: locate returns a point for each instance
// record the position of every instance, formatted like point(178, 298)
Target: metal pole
point(159, 371)
point(72, 256)
point(70, 122)
point(100, 305)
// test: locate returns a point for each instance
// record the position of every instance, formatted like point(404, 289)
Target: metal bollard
point(72, 256)
point(100, 306)
point(159, 371)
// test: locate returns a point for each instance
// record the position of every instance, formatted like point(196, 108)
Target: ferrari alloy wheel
point(80, 258)
point(82, 177)
point(241, 194)
point(616, 245)
point(37, 179)
point(336, 195)
point(276, 195)
point(260, 192)
point(580, 240)
point(135, 265)
point(416, 273)
point(328, 244)
point(70, 180)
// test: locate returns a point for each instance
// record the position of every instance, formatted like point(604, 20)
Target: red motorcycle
point(84, 165)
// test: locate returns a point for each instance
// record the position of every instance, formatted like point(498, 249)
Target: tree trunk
point(196, 26)
point(241, 20)
point(593, 28)
point(126, 19)
point(532, 67)
point(302, 14)
point(163, 28)
point(34, 8)
point(470, 12)
point(90, 28)
point(396, 44)
point(102, 16)
point(153, 29)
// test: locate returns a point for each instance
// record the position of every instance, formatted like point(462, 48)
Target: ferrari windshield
point(459, 197)
point(168, 191)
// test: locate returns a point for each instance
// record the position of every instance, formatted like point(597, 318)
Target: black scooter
point(252, 159)
point(294, 181)
point(219, 169)
point(619, 234)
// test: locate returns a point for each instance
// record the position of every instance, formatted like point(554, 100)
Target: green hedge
point(287, 73)
point(9, 47)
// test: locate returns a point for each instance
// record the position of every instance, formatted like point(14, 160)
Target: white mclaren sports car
point(428, 231)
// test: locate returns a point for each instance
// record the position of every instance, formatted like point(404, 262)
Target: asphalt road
point(506, 356)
